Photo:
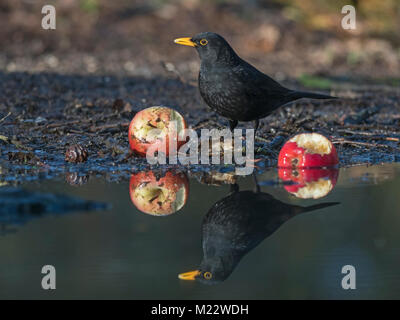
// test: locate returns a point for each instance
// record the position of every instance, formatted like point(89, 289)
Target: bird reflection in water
point(235, 225)
point(159, 193)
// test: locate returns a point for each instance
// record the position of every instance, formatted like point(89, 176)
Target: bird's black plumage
point(236, 224)
point(235, 89)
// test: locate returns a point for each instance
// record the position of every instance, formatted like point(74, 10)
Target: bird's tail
point(318, 206)
point(303, 94)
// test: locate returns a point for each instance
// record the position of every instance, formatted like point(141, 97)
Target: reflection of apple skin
point(308, 150)
point(309, 183)
point(159, 196)
point(147, 121)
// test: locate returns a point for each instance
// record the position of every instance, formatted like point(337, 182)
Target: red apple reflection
point(309, 183)
point(157, 195)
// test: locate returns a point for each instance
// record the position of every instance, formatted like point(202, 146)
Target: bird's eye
point(203, 42)
point(207, 275)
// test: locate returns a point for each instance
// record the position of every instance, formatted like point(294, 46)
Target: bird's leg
point(232, 124)
point(234, 188)
point(256, 185)
point(256, 123)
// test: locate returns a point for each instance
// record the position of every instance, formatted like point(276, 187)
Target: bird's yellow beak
point(185, 42)
point(191, 275)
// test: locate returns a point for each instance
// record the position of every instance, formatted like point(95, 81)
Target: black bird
point(232, 87)
point(234, 226)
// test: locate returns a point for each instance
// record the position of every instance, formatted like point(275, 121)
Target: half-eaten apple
point(308, 150)
point(157, 127)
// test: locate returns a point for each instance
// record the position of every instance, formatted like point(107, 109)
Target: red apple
point(308, 150)
point(309, 183)
point(154, 126)
point(156, 195)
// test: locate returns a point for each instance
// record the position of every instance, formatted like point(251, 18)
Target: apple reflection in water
point(159, 194)
point(309, 183)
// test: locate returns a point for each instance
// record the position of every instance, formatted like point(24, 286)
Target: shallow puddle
point(274, 249)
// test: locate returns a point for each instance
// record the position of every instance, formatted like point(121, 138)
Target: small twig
point(108, 126)
point(365, 133)
point(62, 124)
point(76, 131)
point(375, 126)
point(4, 118)
point(369, 135)
point(170, 67)
point(5, 139)
point(365, 144)
point(382, 138)
point(262, 139)
point(14, 142)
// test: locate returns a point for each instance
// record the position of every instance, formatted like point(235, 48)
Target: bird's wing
point(242, 219)
point(257, 83)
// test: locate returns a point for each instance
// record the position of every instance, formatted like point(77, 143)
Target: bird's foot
point(232, 124)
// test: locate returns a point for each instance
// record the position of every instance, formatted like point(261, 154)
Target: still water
point(254, 244)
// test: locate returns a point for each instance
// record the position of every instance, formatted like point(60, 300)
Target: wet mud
point(44, 114)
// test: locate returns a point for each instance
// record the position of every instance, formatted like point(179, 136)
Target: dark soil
point(49, 112)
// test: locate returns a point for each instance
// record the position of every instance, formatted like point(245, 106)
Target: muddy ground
point(49, 112)
point(83, 85)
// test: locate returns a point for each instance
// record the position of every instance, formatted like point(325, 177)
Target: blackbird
point(235, 225)
point(235, 89)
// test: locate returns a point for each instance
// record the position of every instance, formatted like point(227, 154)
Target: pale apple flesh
point(313, 143)
point(309, 183)
point(156, 125)
point(314, 190)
